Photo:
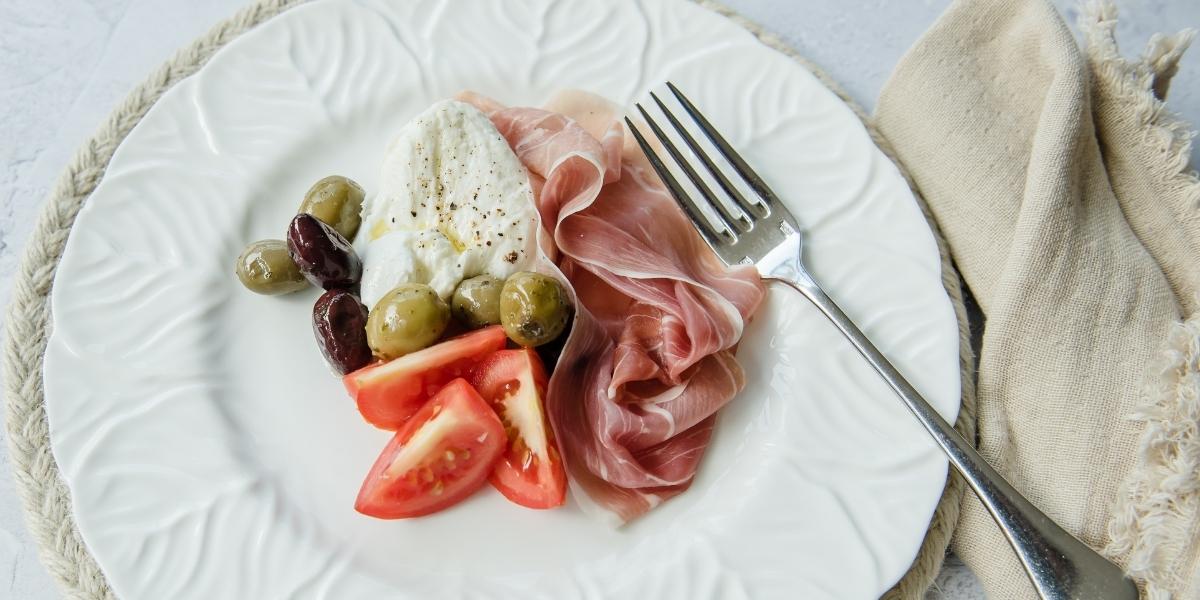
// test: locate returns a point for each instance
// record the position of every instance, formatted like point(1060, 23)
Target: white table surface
point(64, 64)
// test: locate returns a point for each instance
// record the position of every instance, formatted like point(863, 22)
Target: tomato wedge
point(390, 393)
point(530, 473)
point(441, 456)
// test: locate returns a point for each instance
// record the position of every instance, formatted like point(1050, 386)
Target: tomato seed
point(509, 388)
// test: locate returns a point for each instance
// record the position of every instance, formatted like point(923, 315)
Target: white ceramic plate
point(211, 455)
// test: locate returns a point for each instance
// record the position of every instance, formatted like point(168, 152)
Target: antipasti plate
point(210, 454)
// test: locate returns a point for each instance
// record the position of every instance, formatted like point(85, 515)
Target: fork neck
point(783, 264)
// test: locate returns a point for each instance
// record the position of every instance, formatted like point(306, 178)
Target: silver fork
point(761, 231)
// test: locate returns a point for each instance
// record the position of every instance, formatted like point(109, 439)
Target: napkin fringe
point(1155, 524)
point(1144, 84)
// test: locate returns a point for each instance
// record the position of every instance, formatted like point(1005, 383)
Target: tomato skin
point(548, 491)
point(388, 394)
point(530, 472)
point(437, 459)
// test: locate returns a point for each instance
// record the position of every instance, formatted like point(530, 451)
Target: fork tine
point(710, 235)
point(743, 169)
point(725, 216)
point(722, 180)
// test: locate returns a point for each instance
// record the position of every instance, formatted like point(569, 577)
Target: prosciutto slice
point(649, 360)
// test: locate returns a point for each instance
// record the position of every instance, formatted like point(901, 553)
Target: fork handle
point(1060, 566)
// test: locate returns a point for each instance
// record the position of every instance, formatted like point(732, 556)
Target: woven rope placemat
point(46, 497)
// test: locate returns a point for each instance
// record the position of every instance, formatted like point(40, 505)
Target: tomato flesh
point(530, 472)
point(389, 394)
point(437, 459)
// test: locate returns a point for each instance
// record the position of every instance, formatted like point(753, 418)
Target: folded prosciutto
point(650, 358)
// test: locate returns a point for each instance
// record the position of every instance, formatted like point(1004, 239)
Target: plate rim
point(824, 82)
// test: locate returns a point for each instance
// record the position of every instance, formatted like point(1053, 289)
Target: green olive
point(338, 202)
point(406, 319)
point(476, 302)
point(265, 268)
point(533, 308)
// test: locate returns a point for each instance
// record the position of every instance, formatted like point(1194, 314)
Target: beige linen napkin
point(1060, 181)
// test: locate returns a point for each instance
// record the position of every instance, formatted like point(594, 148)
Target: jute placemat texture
point(46, 497)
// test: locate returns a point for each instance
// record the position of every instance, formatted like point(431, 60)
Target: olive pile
point(311, 251)
point(317, 251)
point(532, 308)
